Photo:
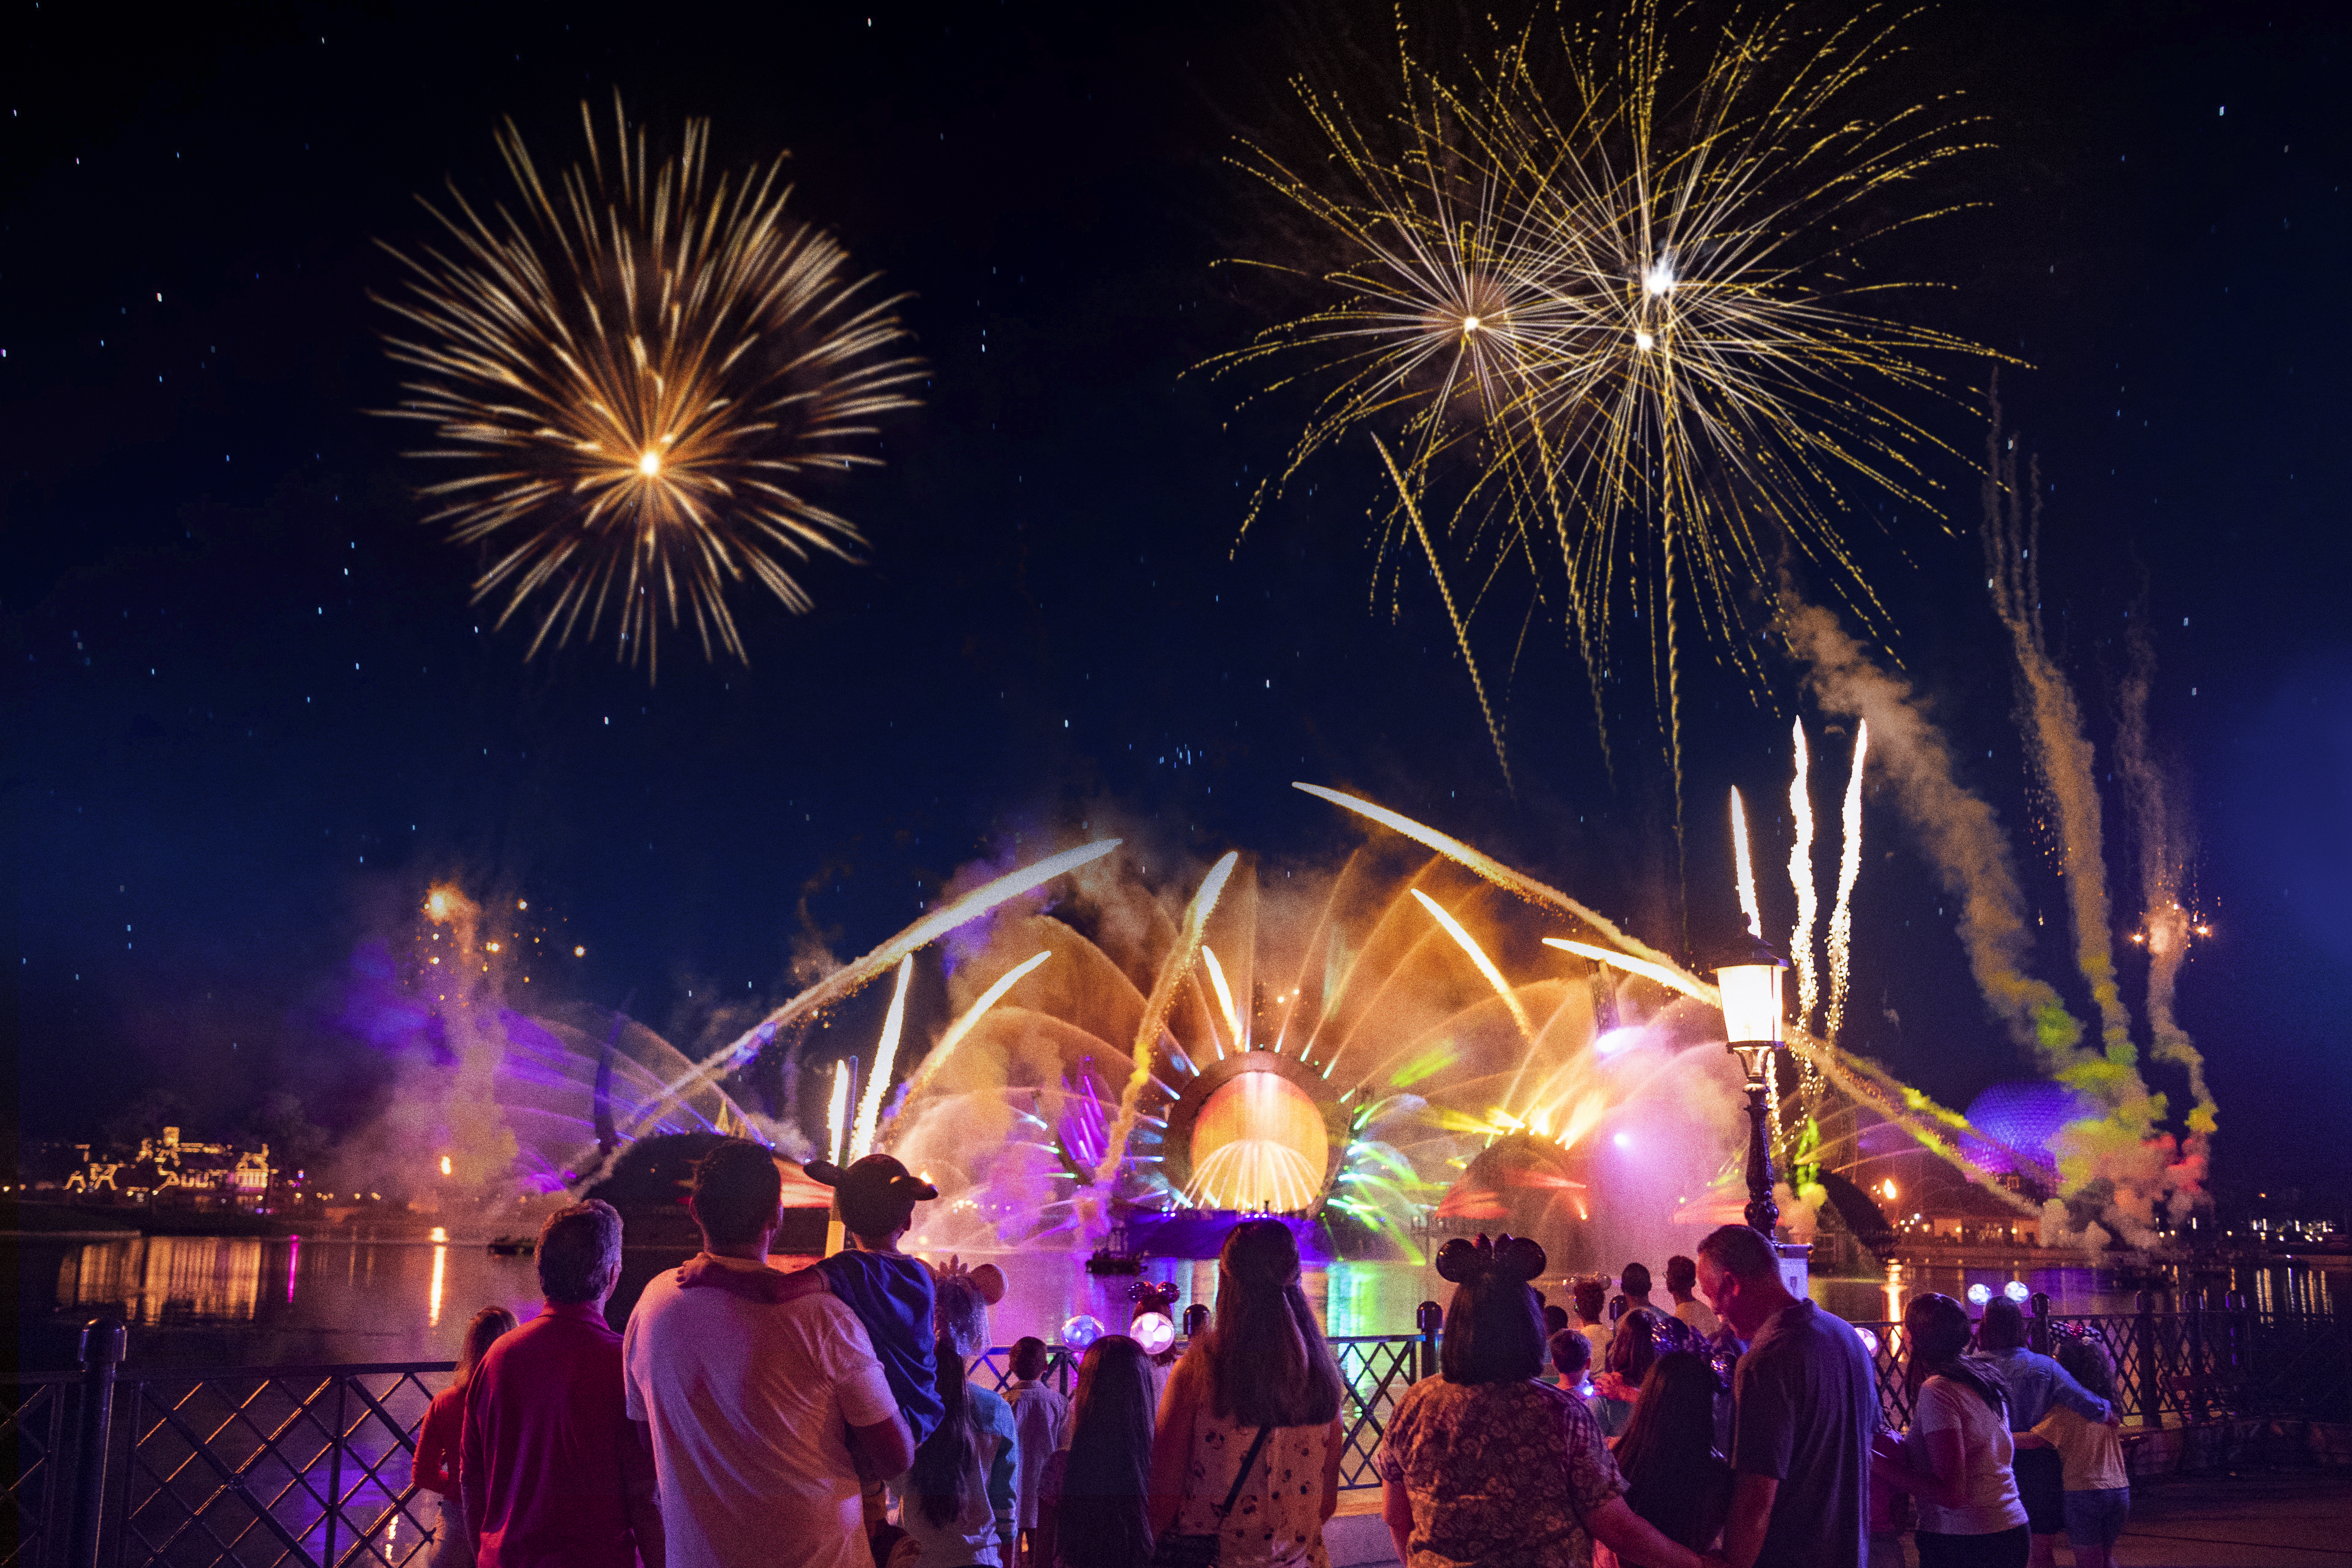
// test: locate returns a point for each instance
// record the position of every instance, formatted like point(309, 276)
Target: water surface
point(239, 1301)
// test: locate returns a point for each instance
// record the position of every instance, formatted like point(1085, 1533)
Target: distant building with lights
point(199, 1172)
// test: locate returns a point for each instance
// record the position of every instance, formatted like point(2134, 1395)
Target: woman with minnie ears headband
point(1485, 1465)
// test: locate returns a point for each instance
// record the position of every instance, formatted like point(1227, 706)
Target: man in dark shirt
point(1805, 1409)
point(553, 1474)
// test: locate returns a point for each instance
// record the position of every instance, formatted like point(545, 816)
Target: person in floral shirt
point(1486, 1466)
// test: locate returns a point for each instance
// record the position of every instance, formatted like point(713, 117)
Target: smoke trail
point(1801, 877)
point(886, 1054)
point(2163, 856)
point(1849, 871)
point(2060, 751)
point(1957, 830)
point(1746, 867)
point(1172, 971)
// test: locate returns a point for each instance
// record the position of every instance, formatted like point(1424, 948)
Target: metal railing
point(308, 1467)
point(2202, 1363)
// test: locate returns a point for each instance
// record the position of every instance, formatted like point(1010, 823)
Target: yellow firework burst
point(640, 371)
point(1623, 302)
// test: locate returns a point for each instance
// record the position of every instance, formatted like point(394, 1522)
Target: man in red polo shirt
point(553, 1474)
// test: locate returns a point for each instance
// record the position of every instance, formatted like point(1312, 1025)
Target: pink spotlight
point(1623, 1139)
point(1614, 1040)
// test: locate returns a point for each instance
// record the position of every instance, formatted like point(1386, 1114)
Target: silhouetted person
point(1673, 1477)
point(1804, 1409)
point(2036, 1385)
point(1486, 1466)
point(764, 1414)
point(434, 1465)
point(1682, 1280)
point(1039, 1415)
point(553, 1474)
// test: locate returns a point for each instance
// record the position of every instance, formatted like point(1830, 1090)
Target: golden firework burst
point(1623, 302)
point(640, 371)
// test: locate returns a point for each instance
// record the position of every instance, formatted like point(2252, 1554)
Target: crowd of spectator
point(829, 1417)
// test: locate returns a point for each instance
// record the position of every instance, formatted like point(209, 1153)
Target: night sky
point(254, 712)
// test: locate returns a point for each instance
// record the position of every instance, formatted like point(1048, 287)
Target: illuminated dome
point(2019, 1123)
point(1258, 1142)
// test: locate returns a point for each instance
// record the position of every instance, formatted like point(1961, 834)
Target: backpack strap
point(1242, 1474)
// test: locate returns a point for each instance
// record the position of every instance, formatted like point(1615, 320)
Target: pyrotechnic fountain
point(1420, 1041)
point(1388, 1048)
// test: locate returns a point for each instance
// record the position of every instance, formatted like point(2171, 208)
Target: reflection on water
point(215, 1300)
point(205, 1277)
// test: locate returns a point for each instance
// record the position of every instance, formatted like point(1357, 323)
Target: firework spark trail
point(2055, 740)
point(1958, 829)
point(886, 1057)
point(1225, 998)
point(1801, 877)
point(1494, 871)
point(1486, 965)
point(920, 1080)
point(836, 1115)
point(1461, 632)
point(850, 978)
point(1937, 1128)
point(1745, 867)
point(1849, 872)
point(2162, 858)
point(1173, 970)
point(1636, 328)
point(1665, 974)
point(639, 374)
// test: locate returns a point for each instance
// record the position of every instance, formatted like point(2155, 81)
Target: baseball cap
point(876, 1195)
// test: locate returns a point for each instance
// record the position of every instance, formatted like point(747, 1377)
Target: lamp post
point(1752, 1030)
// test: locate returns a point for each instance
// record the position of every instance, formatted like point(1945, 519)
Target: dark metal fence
point(2184, 1368)
point(305, 1466)
point(308, 1467)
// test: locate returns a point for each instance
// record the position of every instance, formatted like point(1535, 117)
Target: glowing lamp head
point(1079, 1331)
point(437, 904)
point(1154, 1330)
point(1887, 1186)
point(1469, 324)
point(1750, 982)
point(1644, 342)
point(650, 464)
point(447, 1169)
point(2016, 1290)
point(1980, 1293)
point(1869, 1340)
point(1659, 280)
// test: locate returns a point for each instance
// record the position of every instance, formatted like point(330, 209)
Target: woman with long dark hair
point(1092, 1511)
point(434, 1468)
point(1955, 1458)
point(1487, 1466)
point(945, 1506)
point(1673, 1477)
point(1255, 1401)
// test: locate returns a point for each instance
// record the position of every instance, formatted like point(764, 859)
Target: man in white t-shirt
point(763, 1417)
